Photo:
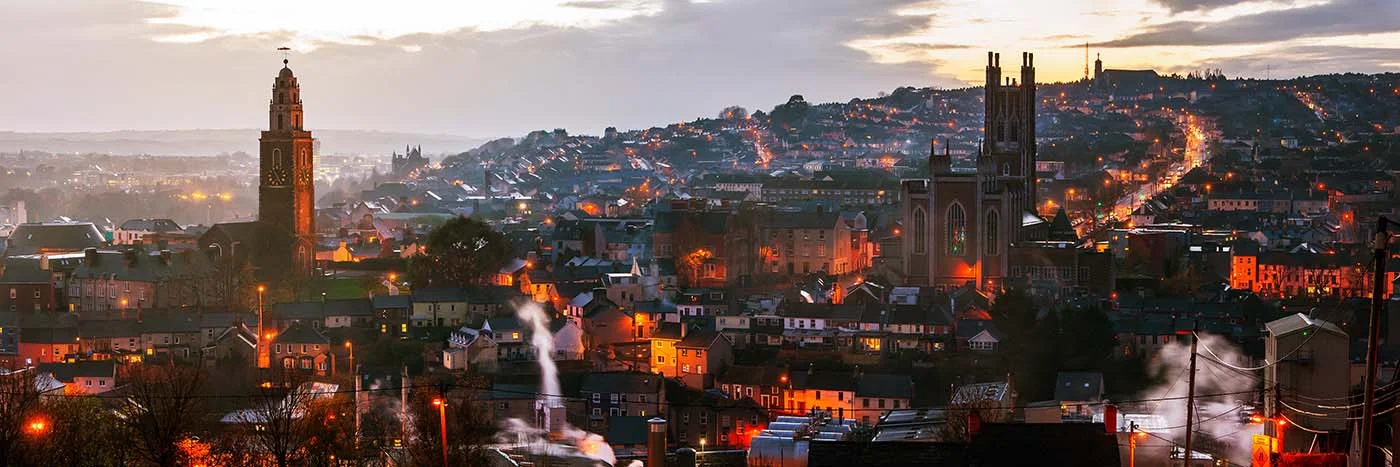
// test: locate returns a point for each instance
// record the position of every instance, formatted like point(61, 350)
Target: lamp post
point(442, 422)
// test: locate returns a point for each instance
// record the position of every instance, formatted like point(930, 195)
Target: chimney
point(656, 442)
point(90, 257)
point(821, 210)
point(165, 257)
point(44, 262)
point(684, 329)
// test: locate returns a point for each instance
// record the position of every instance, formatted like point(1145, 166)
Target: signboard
point(1261, 450)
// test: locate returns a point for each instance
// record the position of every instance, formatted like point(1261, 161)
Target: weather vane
point(285, 51)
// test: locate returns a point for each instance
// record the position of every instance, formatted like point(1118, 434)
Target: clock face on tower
point(277, 176)
point(304, 167)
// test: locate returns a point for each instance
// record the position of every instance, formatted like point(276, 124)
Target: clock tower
point(286, 185)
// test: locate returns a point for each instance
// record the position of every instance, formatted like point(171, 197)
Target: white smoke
point(533, 315)
point(516, 431)
point(1222, 393)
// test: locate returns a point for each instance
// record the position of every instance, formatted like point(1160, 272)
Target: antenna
point(285, 51)
point(1086, 61)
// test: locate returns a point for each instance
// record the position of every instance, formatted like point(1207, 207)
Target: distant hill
point(213, 142)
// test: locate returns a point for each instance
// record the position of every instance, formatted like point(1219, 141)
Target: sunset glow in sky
point(501, 67)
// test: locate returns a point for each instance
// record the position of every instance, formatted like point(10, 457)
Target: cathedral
point(282, 242)
point(960, 223)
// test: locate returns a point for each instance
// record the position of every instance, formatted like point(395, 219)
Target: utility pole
point(1191, 394)
point(1382, 254)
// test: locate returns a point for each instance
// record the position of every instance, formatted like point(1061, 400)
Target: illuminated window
point(957, 230)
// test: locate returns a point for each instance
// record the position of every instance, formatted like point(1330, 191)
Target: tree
point(734, 112)
point(19, 406)
point(83, 433)
point(469, 429)
point(161, 407)
point(278, 422)
point(459, 252)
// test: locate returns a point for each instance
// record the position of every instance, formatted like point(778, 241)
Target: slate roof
point(381, 302)
point(875, 385)
point(969, 328)
point(825, 380)
point(753, 375)
point(630, 429)
point(1298, 322)
point(440, 294)
point(24, 270)
point(58, 335)
point(32, 238)
point(151, 225)
point(698, 339)
point(144, 267)
point(801, 220)
point(621, 382)
point(299, 334)
point(66, 372)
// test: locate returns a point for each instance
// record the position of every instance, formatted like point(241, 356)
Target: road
point(1193, 156)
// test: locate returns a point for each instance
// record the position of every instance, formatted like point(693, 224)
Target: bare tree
point(83, 432)
point(284, 417)
point(161, 405)
point(469, 429)
point(19, 404)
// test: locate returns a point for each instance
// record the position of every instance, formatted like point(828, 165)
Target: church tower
point(286, 186)
point(1008, 151)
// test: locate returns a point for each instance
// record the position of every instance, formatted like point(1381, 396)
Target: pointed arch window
point(920, 230)
point(276, 158)
point(989, 229)
point(957, 230)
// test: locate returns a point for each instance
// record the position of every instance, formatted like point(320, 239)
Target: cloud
point(1288, 62)
point(1336, 18)
point(1193, 5)
point(686, 60)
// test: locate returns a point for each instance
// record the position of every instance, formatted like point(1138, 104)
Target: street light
point(442, 422)
point(38, 426)
point(351, 347)
point(702, 444)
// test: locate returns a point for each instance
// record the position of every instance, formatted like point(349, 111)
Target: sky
point(490, 68)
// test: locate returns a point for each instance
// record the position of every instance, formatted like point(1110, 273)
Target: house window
point(597, 398)
point(865, 403)
point(597, 412)
point(660, 359)
point(612, 398)
point(685, 368)
point(700, 369)
point(275, 347)
point(685, 353)
point(704, 418)
point(819, 395)
point(882, 403)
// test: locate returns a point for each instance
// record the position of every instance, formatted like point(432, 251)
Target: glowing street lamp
point(442, 422)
